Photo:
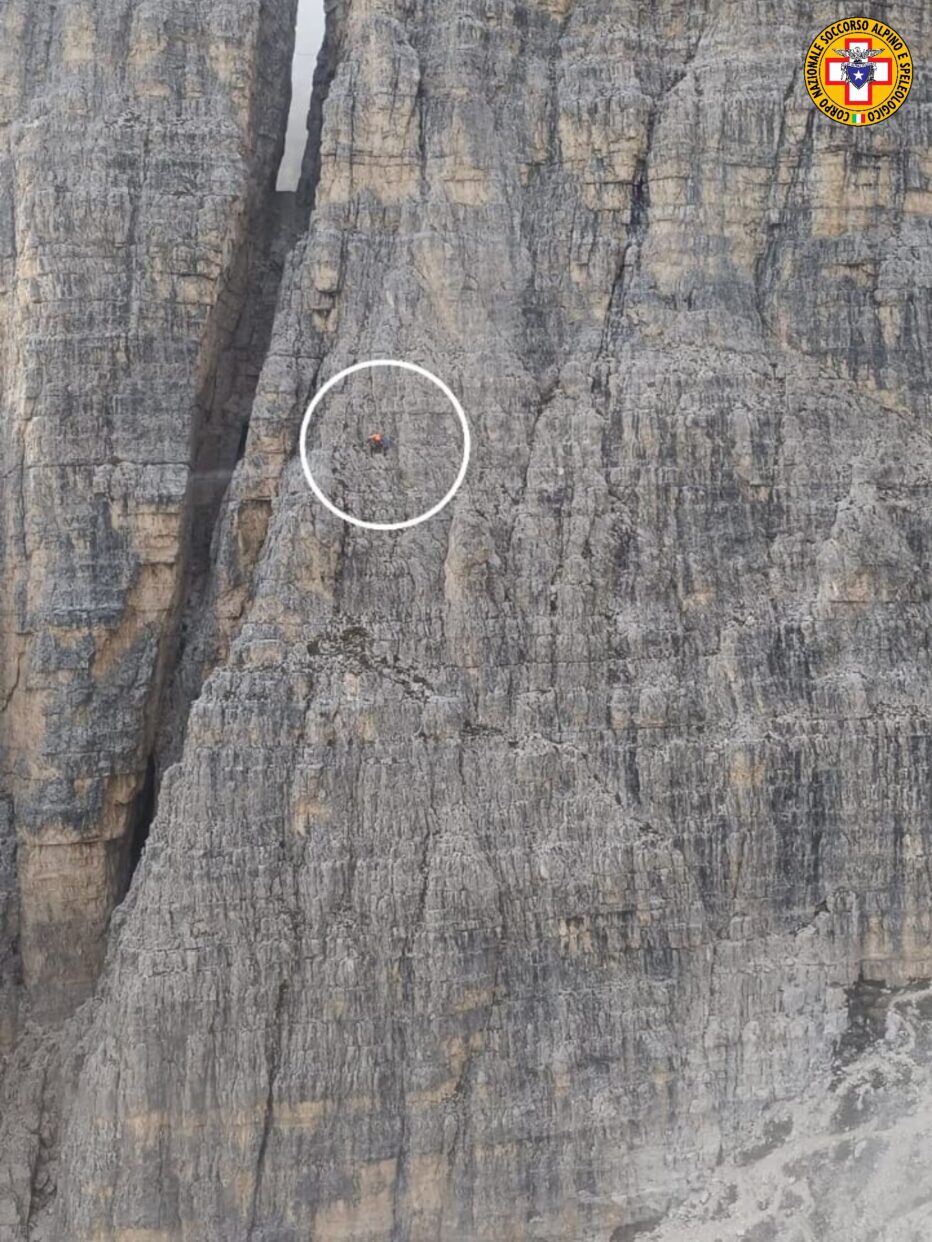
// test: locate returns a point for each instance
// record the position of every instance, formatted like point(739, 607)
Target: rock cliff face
point(534, 873)
point(138, 148)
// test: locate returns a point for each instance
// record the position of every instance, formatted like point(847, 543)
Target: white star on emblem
point(859, 75)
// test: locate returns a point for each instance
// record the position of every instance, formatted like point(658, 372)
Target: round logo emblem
point(858, 71)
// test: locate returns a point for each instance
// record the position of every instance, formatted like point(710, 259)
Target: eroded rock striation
point(138, 146)
point(523, 875)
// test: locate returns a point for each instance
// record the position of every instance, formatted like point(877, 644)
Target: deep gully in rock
point(280, 220)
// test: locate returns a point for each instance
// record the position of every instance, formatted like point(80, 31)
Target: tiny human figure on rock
point(379, 442)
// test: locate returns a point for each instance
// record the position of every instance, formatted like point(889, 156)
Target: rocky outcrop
point(847, 1160)
point(138, 148)
point(517, 870)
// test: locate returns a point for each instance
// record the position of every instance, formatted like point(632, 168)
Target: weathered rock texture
point(520, 870)
point(847, 1160)
point(137, 150)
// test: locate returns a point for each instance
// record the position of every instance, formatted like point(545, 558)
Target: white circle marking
point(373, 364)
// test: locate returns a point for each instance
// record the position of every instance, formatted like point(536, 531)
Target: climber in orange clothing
point(379, 442)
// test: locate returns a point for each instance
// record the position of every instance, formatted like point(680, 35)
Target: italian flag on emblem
point(857, 118)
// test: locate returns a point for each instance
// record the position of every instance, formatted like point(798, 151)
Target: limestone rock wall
point(138, 146)
point(517, 870)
